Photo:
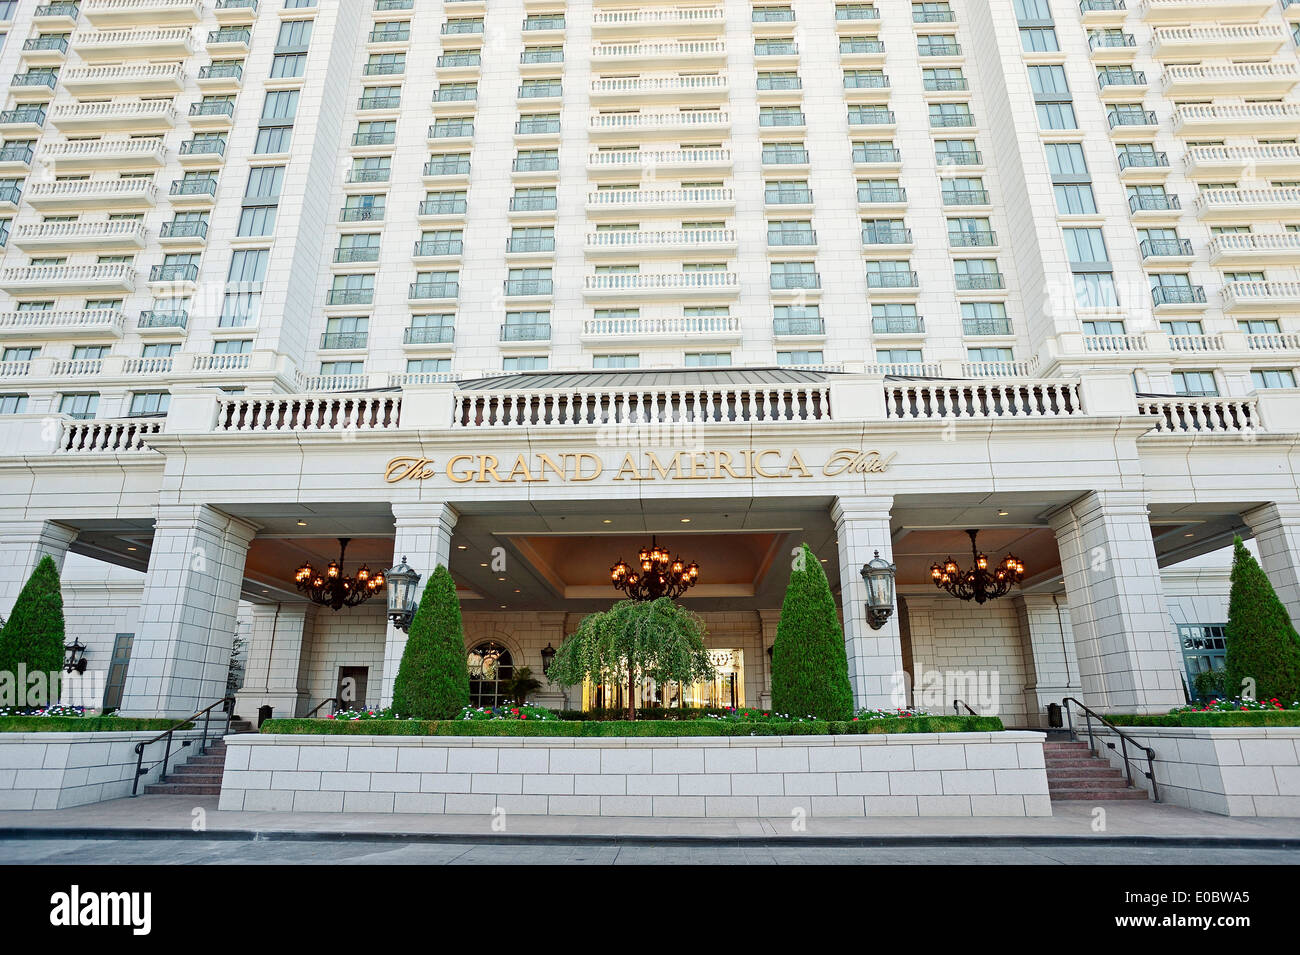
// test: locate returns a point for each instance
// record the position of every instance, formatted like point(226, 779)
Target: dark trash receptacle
point(263, 714)
point(1054, 716)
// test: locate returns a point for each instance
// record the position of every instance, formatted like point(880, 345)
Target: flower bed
point(82, 724)
point(1218, 712)
point(640, 728)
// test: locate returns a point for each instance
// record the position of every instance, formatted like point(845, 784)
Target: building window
point(145, 404)
point(81, 407)
point(490, 668)
point(1195, 384)
point(524, 363)
point(708, 359)
point(1263, 378)
point(13, 404)
point(615, 361)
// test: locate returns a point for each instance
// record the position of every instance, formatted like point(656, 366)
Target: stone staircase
point(199, 775)
point(1074, 773)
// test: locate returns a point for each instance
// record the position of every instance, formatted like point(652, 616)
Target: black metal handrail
point(959, 705)
point(206, 713)
point(1124, 740)
point(316, 709)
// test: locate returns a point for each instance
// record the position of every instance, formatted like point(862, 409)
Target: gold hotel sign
point(585, 466)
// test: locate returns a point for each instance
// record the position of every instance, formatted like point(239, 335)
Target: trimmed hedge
point(433, 677)
point(639, 728)
point(84, 724)
point(810, 666)
point(1243, 718)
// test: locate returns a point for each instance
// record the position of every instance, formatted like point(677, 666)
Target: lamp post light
point(548, 656)
point(402, 603)
point(878, 574)
point(76, 662)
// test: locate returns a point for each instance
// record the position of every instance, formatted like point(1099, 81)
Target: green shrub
point(33, 635)
point(810, 667)
point(627, 728)
point(83, 724)
point(1262, 642)
point(1240, 718)
point(1210, 684)
point(433, 679)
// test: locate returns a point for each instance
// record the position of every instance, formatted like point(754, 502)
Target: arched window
point(490, 668)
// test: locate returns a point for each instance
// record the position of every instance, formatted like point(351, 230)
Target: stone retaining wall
point(921, 774)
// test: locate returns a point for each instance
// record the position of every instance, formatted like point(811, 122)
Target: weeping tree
point(634, 641)
point(1262, 642)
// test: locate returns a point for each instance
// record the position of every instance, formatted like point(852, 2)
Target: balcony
point(125, 155)
point(886, 238)
point(1157, 206)
point(1245, 119)
point(898, 325)
point(713, 329)
point(683, 53)
point(671, 125)
point(221, 77)
point(81, 195)
point(980, 282)
point(1107, 48)
point(30, 87)
point(650, 21)
point(124, 14)
point(1220, 163)
point(1239, 79)
point(444, 168)
point(50, 324)
point(197, 193)
point(165, 321)
point(1261, 296)
point(1101, 12)
point(1142, 166)
point(906, 280)
point(966, 197)
point(228, 41)
point(1178, 297)
point(621, 163)
point(659, 88)
point(1117, 83)
point(82, 119)
point(1166, 250)
point(529, 288)
point(114, 236)
point(1255, 248)
point(429, 291)
point(1183, 11)
point(671, 243)
point(201, 151)
point(664, 285)
point(10, 196)
point(875, 195)
point(530, 333)
point(183, 234)
point(45, 50)
point(214, 114)
point(876, 155)
point(67, 279)
point(1275, 203)
point(182, 274)
point(56, 15)
point(349, 296)
point(153, 78)
point(444, 248)
point(343, 341)
point(666, 202)
point(1132, 123)
point(234, 12)
point(22, 121)
point(356, 255)
point(428, 335)
point(530, 245)
point(791, 238)
point(798, 327)
point(973, 239)
point(15, 159)
point(1262, 39)
point(98, 46)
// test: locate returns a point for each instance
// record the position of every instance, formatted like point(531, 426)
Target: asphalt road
point(390, 852)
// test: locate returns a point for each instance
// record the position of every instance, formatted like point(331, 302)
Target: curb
point(25, 833)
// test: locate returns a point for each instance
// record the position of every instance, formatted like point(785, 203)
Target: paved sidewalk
point(1125, 822)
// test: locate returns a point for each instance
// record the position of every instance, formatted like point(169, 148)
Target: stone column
point(277, 652)
point(1277, 534)
point(181, 653)
point(768, 621)
point(1047, 643)
point(1128, 659)
point(424, 539)
point(22, 545)
point(875, 656)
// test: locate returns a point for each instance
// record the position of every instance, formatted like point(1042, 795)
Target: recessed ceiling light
point(1002, 513)
point(500, 578)
point(607, 521)
point(1189, 534)
point(503, 606)
point(823, 560)
point(130, 548)
point(302, 523)
point(462, 547)
point(686, 520)
point(517, 590)
point(482, 565)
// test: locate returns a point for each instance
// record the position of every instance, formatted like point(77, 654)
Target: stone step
point(183, 789)
point(1065, 762)
point(1067, 747)
point(1087, 782)
point(196, 773)
point(1095, 794)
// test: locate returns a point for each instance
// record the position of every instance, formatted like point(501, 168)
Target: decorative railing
point(685, 239)
point(89, 320)
point(1213, 415)
point(661, 197)
point(642, 157)
point(113, 435)
point(667, 52)
point(663, 281)
point(561, 408)
point(658, 84)
point(983, 399)
point(686, 119)
point(673, 326)
point(309, 413)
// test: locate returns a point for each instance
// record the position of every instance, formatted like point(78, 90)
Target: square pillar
point(423, 539)
point(1047, 644)
point(1128, 659)
point(22, 545)
point(188, 610)
point(277, 654)
point(875, 656)
point(1277, 535)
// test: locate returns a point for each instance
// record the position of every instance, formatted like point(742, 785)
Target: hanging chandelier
point(979, 583)
point(655, 575)
point(334, 589)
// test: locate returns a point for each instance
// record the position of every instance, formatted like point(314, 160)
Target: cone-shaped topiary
point(433, 679)
point(1262, 642)
point(33, 634)
point(810, 667)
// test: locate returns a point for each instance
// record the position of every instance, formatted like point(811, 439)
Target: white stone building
point(603, 271)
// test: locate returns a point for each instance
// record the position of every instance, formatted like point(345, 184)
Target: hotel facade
point(518, 287)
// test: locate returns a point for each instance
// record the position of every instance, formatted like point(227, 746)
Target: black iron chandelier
point(979, 583)
point(334, 589)
point(655, 575)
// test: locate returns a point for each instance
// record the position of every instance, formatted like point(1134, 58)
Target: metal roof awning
point(649, 377)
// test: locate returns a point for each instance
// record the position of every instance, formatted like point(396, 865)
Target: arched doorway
point(490, 669)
